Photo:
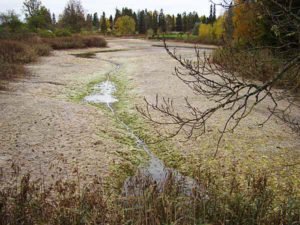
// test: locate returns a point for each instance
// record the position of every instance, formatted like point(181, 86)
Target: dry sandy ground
point(40, 126)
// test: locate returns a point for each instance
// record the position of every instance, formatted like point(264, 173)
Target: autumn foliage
point(125, 25)
point(246, 21)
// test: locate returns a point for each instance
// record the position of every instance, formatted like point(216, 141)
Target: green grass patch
point(128, 114)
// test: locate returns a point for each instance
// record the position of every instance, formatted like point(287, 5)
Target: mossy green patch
point(126, 111)
point(86, 90)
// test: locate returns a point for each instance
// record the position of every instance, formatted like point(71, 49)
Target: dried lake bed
point(48, 129)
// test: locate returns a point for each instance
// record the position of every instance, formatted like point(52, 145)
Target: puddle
point(154, 171)
point(103, 93)
point(91, 55)
point(87, 55)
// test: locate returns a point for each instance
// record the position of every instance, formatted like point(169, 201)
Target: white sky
point(109, 6)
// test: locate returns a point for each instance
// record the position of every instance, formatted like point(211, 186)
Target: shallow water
point(103, 93)
point(155, 170)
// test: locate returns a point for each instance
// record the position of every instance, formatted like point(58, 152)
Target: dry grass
point(75, 42)
point(15, 53)
point(42, 49)
point(216, 199)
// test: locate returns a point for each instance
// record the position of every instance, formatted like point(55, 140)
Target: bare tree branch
point(227, 86)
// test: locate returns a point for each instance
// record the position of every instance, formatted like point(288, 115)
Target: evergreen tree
point(178, 22)
point(53, 19)
point(173, 23)
point(204, 19)
point(214, 14)
point(141, 20)
point(190, 22)
point(127, 12)
point(117, 15)
point(103, 25)
point(134, 16)
point(228, 24)
point(73, 16)
point(89, 22)
point(196, 18)
point(210, 18)
point(162, 21)
point(184, 22)
point(169, 23)
point(111, 21)
point(96, 21)
point(148, 20)
point(196, 27)
point(155, 22)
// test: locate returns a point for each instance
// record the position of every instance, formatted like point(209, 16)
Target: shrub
point(85, 32)
point(94, 41)
point(150, 33)
point(4, 33)
point(16, 52)
point(196, 29)
point(75, 42)
point(62, 33)
point(9, 71)
point(21, 35)
point(42, 49)
point(65, 42)
point(13, 55)
point(46, 33)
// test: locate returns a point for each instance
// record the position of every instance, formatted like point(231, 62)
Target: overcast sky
point(109, 6)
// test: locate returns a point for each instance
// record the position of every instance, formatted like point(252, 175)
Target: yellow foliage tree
point(218, 28)
point(246, 22)
point(205, 31)
point(212, 32)
point(125, 25)
point(108, 24)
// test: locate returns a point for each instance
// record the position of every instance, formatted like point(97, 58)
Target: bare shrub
point(64, 42)
point(16, 52)
point(94, 41)
point(75, 42)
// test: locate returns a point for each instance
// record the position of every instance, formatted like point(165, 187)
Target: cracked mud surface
point(46, 133)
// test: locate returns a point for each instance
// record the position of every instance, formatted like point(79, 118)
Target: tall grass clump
point(42, 49)
point(93, 41)
point(16, 52)
point(75, 42)
point(30, 202)
point(223, 193)
point(13, 55)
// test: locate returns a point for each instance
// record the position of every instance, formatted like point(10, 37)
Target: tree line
point(74, 19)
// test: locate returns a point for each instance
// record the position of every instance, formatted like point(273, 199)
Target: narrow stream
point(155, 170)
